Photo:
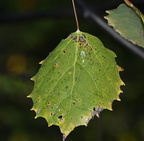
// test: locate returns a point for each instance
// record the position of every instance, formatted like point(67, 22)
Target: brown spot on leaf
point(84, 35)
point(52, 114)
point(74, 38)
point(81, 39)
point(64, 51)
point(56, 65)
point(74, 103)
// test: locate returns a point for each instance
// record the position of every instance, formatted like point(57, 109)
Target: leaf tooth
point(41, 62)
point(106, 17)
point(29, 96)
point(32, 109)
point(118, 99)
point(33, 78)
point(49, 124)
point(120, 91)
point(111, 109)
point(35, 117)
point(37, 112)
point(120, 68)
point(107, 11)
point(122, 84)
point(110, 106)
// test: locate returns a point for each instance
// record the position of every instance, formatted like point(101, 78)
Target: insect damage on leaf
point(76, 81)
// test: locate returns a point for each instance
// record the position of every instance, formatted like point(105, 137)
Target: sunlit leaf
point(76, 81)
point(127, 22)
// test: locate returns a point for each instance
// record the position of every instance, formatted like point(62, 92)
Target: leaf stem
point(128, 3)
point(75, 13)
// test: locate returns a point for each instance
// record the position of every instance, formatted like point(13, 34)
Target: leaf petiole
point(75, 13)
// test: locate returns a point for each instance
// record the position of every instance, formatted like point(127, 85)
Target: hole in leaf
point(64, 51)
point(74, 103)
point(60, 118)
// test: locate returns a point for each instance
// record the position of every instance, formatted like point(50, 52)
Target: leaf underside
point(76, 81)
point(127, 23)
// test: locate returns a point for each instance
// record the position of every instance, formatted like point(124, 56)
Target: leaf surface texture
point(76, 81)
point(128, 22)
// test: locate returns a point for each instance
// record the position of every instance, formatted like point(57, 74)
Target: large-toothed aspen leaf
point(76, 81)
point(128, 22)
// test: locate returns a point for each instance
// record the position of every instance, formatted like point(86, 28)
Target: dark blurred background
point(29, 30)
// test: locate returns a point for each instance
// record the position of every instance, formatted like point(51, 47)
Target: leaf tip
point(64, 137)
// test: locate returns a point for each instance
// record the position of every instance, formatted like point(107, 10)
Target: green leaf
point(76, 81)
point(127, 23)
point(135, 9)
